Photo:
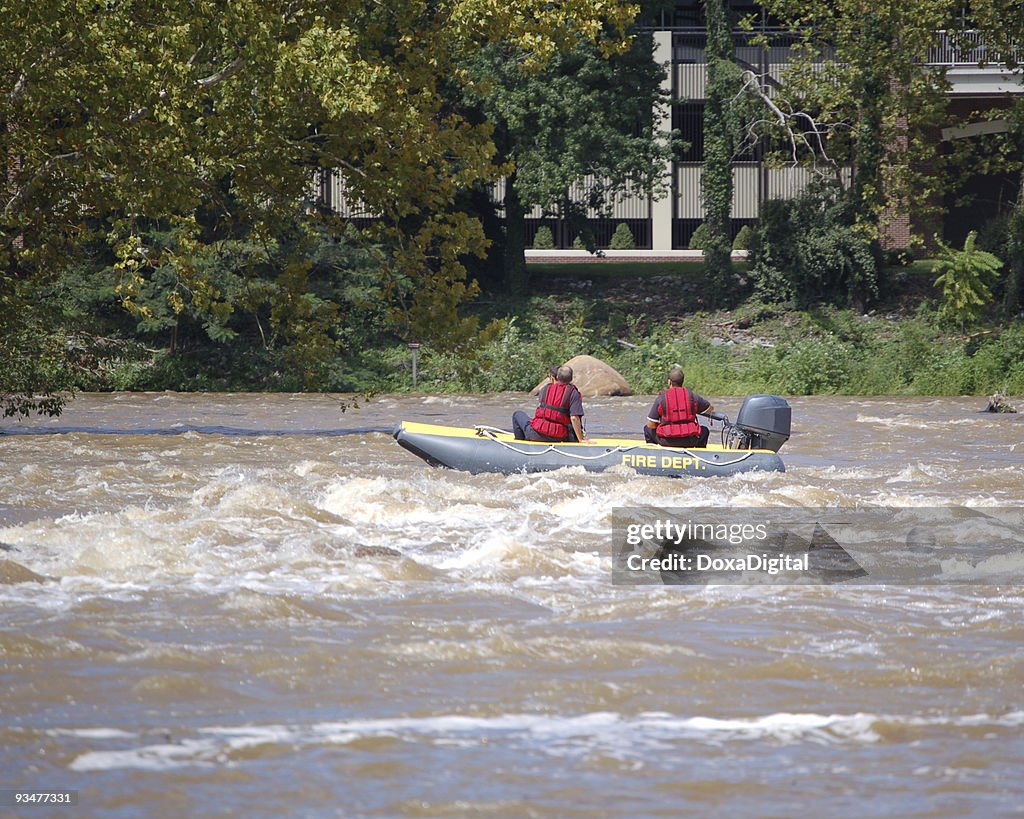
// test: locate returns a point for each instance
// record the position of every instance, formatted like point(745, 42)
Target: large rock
point(593, 377)
point(11, 573)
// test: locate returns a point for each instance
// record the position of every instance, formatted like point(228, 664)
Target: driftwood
point(998, 403)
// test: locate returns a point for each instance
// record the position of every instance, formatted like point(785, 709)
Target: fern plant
point(964, 277)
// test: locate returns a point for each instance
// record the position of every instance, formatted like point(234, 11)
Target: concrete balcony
point(972, 68)
point(988, 81)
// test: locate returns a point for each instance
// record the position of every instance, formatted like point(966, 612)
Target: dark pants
point(524, 432)
point(651, 437)
point(520, 421)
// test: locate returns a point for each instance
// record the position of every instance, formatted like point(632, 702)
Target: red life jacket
point(552, 417)
point(678, 414)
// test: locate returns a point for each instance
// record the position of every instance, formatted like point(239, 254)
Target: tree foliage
point(214, 122)
point(857, 93)
point(812, 248)
point(1001, 25)
point(720, 139)
point(575, 134)
point(34, 370)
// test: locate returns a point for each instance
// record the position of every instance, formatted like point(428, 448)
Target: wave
point(612, 734)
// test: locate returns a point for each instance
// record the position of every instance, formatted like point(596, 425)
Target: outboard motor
point(763, 423)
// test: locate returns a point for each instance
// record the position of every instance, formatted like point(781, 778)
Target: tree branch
point(42, 169)
point(813, 141)
point(226, 73)
point(22, 83)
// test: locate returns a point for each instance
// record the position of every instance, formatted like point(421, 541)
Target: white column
point(661, 207)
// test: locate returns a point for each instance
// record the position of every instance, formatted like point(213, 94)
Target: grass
point(642, 317)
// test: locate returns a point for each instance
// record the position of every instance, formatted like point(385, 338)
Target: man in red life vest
point(672, 420)
point(559, 416)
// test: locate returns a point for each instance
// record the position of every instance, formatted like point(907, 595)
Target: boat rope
point(492, 432)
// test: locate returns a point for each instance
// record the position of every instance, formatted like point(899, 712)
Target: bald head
point(564, 375)
point(675, 376)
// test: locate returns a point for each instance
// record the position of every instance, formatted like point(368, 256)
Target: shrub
point(810, 249)
point(809, 366)
point(623, 239)
point(994, 235)
point(744, 239)
point(709, 369)
point(516, 359)
point(543, 239)
point(701, 237)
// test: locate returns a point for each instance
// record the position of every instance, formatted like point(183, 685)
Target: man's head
point(564, 375)
point(553, 373)
point(675, 376)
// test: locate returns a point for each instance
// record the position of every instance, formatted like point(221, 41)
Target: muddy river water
point(261, 605)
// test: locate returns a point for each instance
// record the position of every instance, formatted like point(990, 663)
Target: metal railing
point(966, 47)
point(951, 48)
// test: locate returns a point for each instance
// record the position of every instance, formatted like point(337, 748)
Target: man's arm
point(577, 425)
point(654, 416)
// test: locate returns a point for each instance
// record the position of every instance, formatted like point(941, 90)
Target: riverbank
point(641, 318)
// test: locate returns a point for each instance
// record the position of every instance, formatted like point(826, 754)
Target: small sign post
point(414, 346)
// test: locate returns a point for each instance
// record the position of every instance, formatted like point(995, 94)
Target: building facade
point(665, 224)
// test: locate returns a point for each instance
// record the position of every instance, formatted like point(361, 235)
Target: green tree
point(855, 95)
point(811, 248)
point(574, 135)
point(33, 366)
point(120, 116)
point(1001, 24)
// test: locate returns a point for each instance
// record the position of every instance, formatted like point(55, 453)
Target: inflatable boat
point(750, 444)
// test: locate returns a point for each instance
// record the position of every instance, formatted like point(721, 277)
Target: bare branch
point(812, 140)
